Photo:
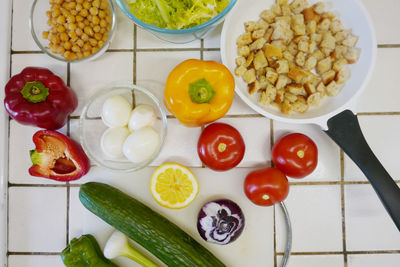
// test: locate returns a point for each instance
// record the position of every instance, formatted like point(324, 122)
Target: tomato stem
point(221, 147)
point(300, 154)
point(265, 197)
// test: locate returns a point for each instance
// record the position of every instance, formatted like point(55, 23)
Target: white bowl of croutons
point(299, 61)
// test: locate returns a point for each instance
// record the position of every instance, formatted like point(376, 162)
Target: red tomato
point(220, 147)
point(296, 155)
point(267, 186)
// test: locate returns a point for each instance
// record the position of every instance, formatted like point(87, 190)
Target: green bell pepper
point(84, 252)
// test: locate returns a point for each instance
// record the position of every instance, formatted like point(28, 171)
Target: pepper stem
point(201, 91)
point(35, 92)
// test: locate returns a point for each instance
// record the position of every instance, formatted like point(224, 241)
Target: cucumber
point(157, 234)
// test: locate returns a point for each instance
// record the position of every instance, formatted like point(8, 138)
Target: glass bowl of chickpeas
point(73, 30)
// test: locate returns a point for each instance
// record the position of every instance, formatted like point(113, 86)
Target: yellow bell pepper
point(199, 92)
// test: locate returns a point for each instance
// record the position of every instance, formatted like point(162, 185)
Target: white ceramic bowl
point(353, 16)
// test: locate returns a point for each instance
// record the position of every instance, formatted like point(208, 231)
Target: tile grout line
point(361, 252)
point(343, 207)
point(202, 58)
point(8, 140)
point(271, 140)
point(67, 183)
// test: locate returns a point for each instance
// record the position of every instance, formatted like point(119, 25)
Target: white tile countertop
point(337, 218)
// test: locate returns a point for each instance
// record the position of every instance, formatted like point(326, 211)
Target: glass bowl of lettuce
point(177, 21)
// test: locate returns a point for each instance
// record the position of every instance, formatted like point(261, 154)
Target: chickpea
point(93, 10)
point(87, 47)
point(93, 42)
point(108, 19)
point(60, 19)
point(78, 7)
point(96, 29)
point(86, 53)
point(79, 55)
point(102, 30)
point(79, 32)
point(103, 23)
point(74, 12)
point(53, 30)
point(80, 42)
point(49, 14)
point(56, 13)
point(84, 13)
point(86, 22)
point(73, 35)
point(95, 20)
point(102, 14)
point(79, 18)
point(105, 37)
point(94, 49)
point(59, 1)
point(88, 31)
point(72, 56)
point(53, 47)
point(71, 5)
point(104, 4)
point(86, 5)
point(45, 34)
point(64, 37)
point(67, 45)
point(81, 25)
point(100, 43)
point(85, 37)
point(79, 1)
point(72, 26)
point(55, 39)
point(71, 19)
point(60, 28)
point(50, 23)
point(75, 49)
point(98, 36)
point(54, 7)
point(96, 3)
point(60, 50)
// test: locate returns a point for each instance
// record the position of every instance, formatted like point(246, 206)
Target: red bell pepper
point(57, 157)
point(38, 97)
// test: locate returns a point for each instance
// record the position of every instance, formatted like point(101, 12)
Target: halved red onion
point(220, 221)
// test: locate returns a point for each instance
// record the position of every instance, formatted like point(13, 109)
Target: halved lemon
point(173, 186)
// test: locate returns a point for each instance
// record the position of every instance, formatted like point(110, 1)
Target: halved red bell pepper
point(57, 157)
point(38, 97)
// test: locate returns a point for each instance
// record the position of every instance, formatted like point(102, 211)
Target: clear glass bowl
point(178, 36)
point(38, 24)
point(91, 126)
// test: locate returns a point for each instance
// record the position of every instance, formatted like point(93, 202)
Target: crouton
point(269, 94)
point(250, 26)
point(352, 55)
point(260, 61)
point(350, 40)
point(257, 34)
point(239, 71)
point(319, 7)
point(268, 34)
point(303, 46)
point(243, 51)
point(268, 16)
point(249, 59)
point(311, 62)
point(310, 15)
point(328, 76)
point(314, 99)
point(310, 88)
point(300, 59)
point(318, 55)
point(253, 87)
point(257, 44)
point(339, 64)
point(273, 52)
point(297, 74)
point(341, 35)
point(328, 41)
point(290, 97)
point(336, 26)
point(292, 48)
point(295, 88)
point(249, 76)
point(316, 37)
point(261, 25)
point(244, 39)
point(286, 108)
point(340, 51)
point(342, 76)
point(321, 89)
point(288, 56)
point(311, 27)
point(332, 89)
point(282, 66)
point(299, 106)
point(282, 81)
point(324, 25)
point(324, 65)
point(297, 6)
point(271, 75)
point(240, 61)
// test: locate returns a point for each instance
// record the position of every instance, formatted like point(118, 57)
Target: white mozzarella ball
point(141, 144)
point(142, 116)
point(116, 111)
point(112, 141)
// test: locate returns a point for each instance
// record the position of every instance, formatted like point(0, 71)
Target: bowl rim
point(115, 87)
point(172, 31)
point(60, 58)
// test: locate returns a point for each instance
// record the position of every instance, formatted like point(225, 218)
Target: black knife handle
point(345, 130)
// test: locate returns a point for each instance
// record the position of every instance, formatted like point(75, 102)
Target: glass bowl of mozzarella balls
point(123, 127)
